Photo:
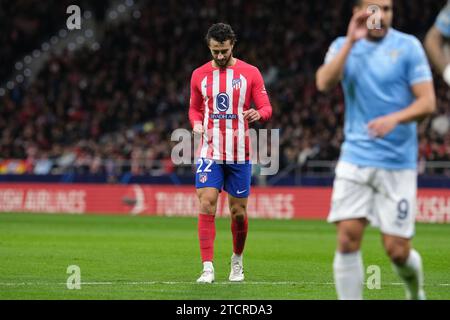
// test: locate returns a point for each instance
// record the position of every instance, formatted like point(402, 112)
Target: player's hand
point(357, 29)
point(198, 128)
point(381, 126)
point(251, 115)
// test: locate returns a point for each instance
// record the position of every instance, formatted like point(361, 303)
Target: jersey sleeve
point(333, 50)
point(196, 109)
point(443, 21)
point(418, 67)
point(260, 97)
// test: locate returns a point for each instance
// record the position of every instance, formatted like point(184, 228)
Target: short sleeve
point(419, 69)
point(333, 50)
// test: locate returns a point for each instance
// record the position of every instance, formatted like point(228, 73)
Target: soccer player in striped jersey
point(220, 111)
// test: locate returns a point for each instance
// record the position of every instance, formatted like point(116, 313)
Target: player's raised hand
point(381, 126)
point(357, 28)
point(198, 128)
point(251, 115)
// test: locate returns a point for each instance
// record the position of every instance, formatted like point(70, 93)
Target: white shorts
point(386, 198)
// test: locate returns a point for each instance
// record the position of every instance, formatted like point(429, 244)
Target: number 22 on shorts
point(208, 164)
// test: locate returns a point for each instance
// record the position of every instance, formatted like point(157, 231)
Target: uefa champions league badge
point(203, 177)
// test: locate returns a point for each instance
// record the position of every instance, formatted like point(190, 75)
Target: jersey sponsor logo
point(217, 116)
point(203, 177)
point(236, 84)
point(222, 102)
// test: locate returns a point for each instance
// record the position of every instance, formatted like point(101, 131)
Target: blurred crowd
point(113, 108)
point(25, 24)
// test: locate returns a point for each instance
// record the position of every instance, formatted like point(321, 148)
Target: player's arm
point(330, 74)
point(424, 105)
point(434, 42)
point(260, 97)
point(418, 74)
point(196, 112)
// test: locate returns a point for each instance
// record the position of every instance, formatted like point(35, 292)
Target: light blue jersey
point(377, 81)
point(443, 21)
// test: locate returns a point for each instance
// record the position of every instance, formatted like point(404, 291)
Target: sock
point(348, 275)
point(208, 265)
point(239, 230)
point(206, 236)
point(236, 257)
point(412, 274)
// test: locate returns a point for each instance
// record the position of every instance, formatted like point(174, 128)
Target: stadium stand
point(112, 108)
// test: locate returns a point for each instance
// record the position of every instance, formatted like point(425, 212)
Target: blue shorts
point(233, 178)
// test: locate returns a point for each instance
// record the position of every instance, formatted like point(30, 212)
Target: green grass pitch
point(158, 258)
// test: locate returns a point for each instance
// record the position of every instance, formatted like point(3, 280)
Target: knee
point(348, 242)
point(208, 205)
point(398, 253)
point(238, 211)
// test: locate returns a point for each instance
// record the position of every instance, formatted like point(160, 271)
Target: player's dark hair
point(357, 3)
point(220, 32)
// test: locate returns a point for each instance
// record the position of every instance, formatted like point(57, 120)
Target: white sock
point(412, 274)
point(208, 265)
point(236, 257)
point(348, 275)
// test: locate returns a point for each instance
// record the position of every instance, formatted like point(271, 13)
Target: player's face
point(385, 14)
point(221, 52)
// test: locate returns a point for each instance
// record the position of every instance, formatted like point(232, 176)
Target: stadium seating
point(114, 108)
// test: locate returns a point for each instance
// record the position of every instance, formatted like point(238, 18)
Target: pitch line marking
point(133, 283)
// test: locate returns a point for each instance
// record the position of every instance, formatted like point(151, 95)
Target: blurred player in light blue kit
point(388, 86)
point(434, 43)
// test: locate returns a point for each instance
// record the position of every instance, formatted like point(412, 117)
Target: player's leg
point(209, 181)
point(239, 229)
point(351, 205)
point(407, 263)
point(237, 184)
point(395, 203)
point(348, 264)
point(207, 231)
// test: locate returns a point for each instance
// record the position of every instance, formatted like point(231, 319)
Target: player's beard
point(378, 35)
point(223, 63)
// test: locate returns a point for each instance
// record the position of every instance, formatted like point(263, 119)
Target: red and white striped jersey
point(219, 96)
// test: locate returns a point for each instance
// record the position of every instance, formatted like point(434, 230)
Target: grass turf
point(158, 258)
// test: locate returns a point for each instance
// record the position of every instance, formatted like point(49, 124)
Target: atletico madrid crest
point(203, 177)
point(236, 83)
